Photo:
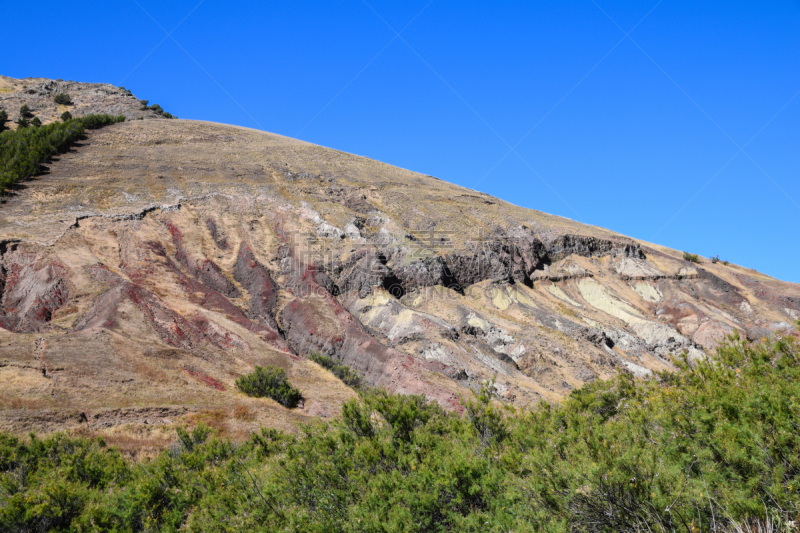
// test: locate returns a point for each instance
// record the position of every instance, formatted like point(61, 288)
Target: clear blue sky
point(639, 134)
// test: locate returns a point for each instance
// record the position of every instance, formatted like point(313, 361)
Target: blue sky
point(684, 132)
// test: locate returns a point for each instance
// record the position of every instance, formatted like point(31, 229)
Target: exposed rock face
point(162, 259)
point(34, 287)
point(565, 245)
point(259, 284)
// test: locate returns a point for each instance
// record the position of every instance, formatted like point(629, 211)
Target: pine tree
point(36, 122)
point(25, 111)
point(3, 119)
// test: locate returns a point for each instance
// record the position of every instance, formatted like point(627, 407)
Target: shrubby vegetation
point(348, 376)
point(95, 122)
point(270, 382)
point(22, 151)
point(694, 258)
point(155, 107)
point(3, 119)
point(711, 447)
point(63, 99)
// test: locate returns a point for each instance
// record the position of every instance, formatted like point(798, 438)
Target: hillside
point(159, 260)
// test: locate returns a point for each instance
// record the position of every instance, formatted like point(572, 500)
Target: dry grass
point(567, 311)
point(214, 418)
point(243, 412)
point(757, 525)
point(134, 441)
point(150, 373)
point(17, 402)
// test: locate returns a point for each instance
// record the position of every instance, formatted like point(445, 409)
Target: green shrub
point(270, 382)
point(25, 111)
point(348, 376)
point(3, 119)
point(47, 484)
point(715, 259)
point(66, 116)
point(63, 99)
point(694, 258)
point(36, 122)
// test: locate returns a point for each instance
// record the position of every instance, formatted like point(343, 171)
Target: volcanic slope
point(161, 259)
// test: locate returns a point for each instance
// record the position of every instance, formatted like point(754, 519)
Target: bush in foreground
point(713, 446)
point(270, 382)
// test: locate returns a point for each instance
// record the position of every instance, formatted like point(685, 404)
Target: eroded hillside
point(161, 259)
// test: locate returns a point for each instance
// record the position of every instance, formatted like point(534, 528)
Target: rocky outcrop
point(205, 271)
point(259, 284)
point(586, 246)
point(515, 256)
point(34, 287)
